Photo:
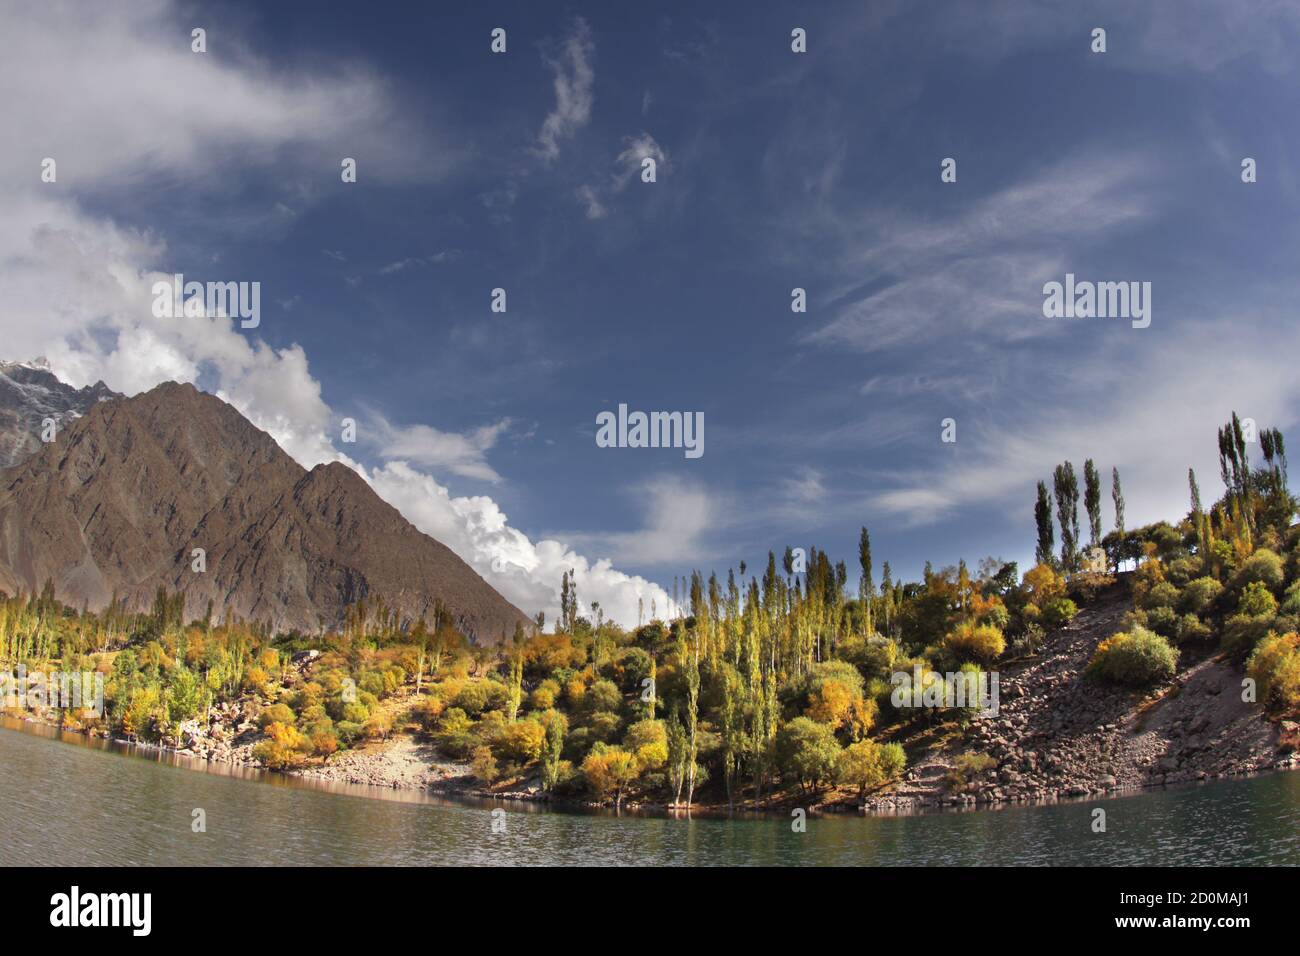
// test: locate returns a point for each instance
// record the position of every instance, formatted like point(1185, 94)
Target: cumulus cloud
point(574, 82)
point(77, 286)
point(676, 512)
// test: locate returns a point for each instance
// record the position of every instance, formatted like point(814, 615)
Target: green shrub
point(276, 714)
point(1136, 658)
point(1242, 632)
point(1059, 612)
point(1191, 628)
point(1162, 594)
point(1263, 567)
point(1181, 571)
point(1163, 620)
point(1291, 600)
point(1257, 600)
point(1198, 595)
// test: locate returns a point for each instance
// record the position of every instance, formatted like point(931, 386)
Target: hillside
point(118, 503)
point(1057, 734)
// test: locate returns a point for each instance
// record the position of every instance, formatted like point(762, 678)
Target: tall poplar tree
point(1092, 501)
point(1066, 486)
point(1043, 519)
point(1117, 496)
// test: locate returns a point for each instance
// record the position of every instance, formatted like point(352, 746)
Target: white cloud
point(574, 82)
point(981, 270)
point(677, 513)
point(459, 454)
point(129, 100)
point(1148, 406)
point(595, 198)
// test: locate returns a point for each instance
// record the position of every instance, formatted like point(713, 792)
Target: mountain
point(31, 393)
point(118, 503)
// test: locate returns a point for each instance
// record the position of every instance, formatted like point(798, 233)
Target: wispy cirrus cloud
point(980, 270)
point(463, 454)
point(574, 79)
point(628, 164)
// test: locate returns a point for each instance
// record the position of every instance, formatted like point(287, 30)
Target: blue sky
point(775, 170)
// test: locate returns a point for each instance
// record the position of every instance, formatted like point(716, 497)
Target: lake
point(88, 803)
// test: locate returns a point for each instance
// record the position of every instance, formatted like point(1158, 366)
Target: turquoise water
point(66, 804)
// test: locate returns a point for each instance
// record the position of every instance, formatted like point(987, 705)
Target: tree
point(808, 751)
point(556, 726)
point(610, 770)
point(1066, 486)
point(1198, 515)
point(1117, 496)
point(1043, 519)
point(1092, 501)
point(866, 588)
point(869, 764)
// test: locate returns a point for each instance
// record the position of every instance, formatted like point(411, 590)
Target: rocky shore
point(1057, 735)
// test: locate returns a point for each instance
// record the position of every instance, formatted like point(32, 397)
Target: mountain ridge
point(127, 492)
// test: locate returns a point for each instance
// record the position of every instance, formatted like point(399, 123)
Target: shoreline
point(365, 771)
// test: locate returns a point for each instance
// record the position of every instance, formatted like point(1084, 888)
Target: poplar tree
point(1066, 486)
point(1117, 496)
point(1092, 501)
point(1043, 519)
point(866, 588)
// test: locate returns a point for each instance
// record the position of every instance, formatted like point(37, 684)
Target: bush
point(892, 760)
point(285, 747)
point(966, 769)
point(1242, 632)
point(1291, 601)
point(1263, 567)
point(1182, 570)
point(1163, 621)
point(603, 695)
point(483, 765)
point(1162, 594)
point(1136, 658)
point(521, 742)
point(1191, 628)
point(276, 714)
point(980, 643)
point(610, 770)
point(1198, 595)
point(1058, 613)
point(1275, 667)
point(1257, 600)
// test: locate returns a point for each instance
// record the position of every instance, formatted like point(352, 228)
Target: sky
point(774, 170)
